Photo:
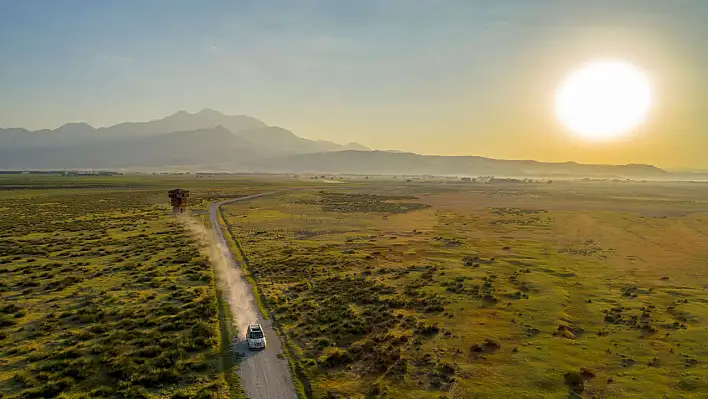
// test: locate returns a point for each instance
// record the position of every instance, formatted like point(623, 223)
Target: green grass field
point(103, 293)
point(383, 288)
point(593, 290)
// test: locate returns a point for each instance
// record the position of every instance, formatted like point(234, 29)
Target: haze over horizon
point(446, 77)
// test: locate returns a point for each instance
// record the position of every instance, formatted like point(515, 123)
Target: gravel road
point(263, 374)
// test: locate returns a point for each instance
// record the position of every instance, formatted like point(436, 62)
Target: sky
point(457, 77)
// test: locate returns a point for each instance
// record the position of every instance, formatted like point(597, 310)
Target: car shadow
point(241, 352)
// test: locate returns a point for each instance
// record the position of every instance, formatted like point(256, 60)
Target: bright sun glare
point(604, 100)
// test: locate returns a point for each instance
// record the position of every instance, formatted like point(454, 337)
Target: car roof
point(254, 327)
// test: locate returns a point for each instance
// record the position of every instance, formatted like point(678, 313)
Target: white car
point(255, 337)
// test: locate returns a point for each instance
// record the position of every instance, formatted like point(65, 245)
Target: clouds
point(115, 59)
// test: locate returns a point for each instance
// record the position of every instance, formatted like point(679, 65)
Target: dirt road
point(264, 375)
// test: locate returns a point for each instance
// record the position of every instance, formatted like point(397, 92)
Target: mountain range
point(207, 138)
point(210, 140)
point(401, 163)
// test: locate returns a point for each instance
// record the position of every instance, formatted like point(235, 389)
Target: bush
point(376, 389)
point(49, 390)
point(336, 358)
point(11, 308)
point(574, 381)
point(6, 321)
point(80, 368)
point(424, 329)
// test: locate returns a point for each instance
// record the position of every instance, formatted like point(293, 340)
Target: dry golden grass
point(525, 291)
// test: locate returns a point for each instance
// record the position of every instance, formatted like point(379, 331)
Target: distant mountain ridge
point(402, 163)
point(184, 121)
point(209, 139)
point(184, 134)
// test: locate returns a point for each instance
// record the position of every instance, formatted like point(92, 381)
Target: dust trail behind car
point(229, 275)
point(264, 374)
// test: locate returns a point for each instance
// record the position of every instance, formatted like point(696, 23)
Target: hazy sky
point(433, 76)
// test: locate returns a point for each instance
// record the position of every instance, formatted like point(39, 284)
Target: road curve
point(263, 374)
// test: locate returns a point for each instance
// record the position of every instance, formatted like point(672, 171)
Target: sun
point(604, 100)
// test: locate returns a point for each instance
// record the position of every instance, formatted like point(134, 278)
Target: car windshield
point(255, 335)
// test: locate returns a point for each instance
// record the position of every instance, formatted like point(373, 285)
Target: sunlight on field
point(104, 294)
point(419, 290)
point(490, 292)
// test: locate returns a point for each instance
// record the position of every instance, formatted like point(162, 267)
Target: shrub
point(424, 329)
point(574, 381)
point(336, 358)
point(11, 308)
point(6, 321)
point(376, 389)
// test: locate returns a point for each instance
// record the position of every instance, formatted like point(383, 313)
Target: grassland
point(104, 294)
point(418, 289)
point(475, 290)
